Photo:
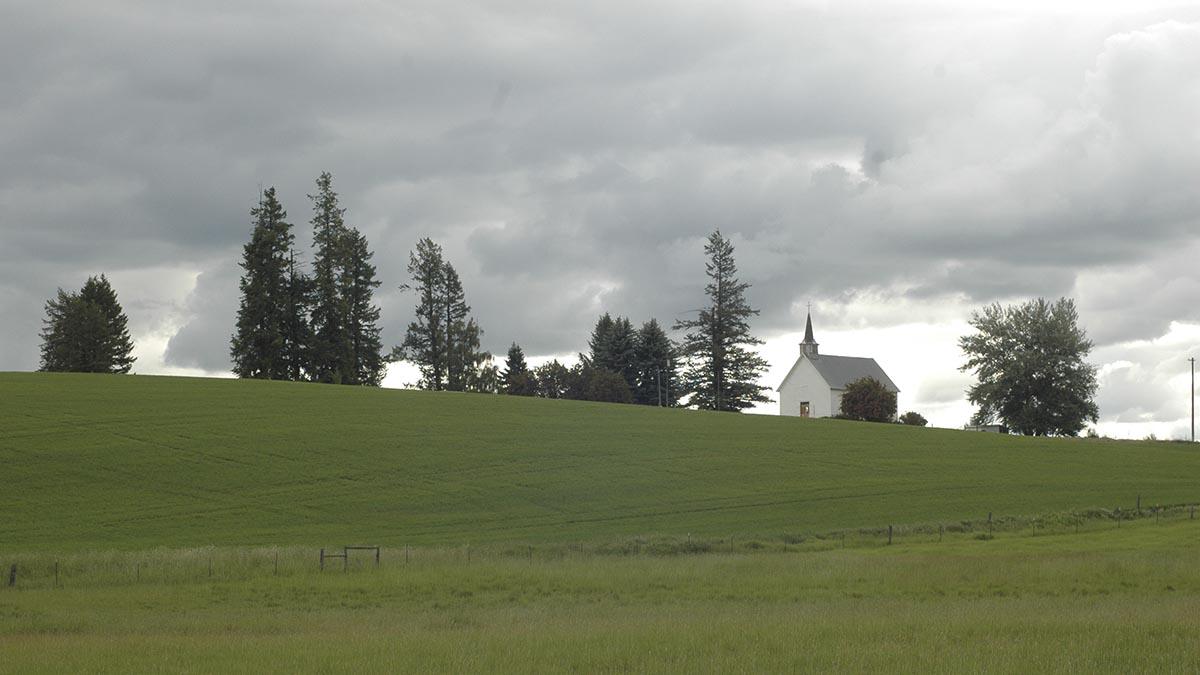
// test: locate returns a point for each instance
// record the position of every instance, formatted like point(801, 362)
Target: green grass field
point(146, 517)
point(142, 462)
point(1108, 600)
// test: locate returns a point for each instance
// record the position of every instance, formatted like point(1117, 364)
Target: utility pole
point(1192, 360)
point(658, 383)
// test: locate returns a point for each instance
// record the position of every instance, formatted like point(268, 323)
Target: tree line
point(322, 325)
point(712, 368)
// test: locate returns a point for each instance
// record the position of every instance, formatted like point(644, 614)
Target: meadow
point(173, 525)
point(96, 462)
point(1108, 600)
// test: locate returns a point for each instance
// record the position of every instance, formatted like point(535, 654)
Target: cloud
point(571, 160)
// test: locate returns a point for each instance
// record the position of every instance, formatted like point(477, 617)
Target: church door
point(804, 408)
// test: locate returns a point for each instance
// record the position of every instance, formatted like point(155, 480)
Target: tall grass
point(1109, 600)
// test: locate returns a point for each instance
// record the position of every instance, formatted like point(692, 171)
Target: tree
point(613, 347)
point(657, 381)
point(517, 379)
point(442, 340)
point(463, 355)
point(914, 419)
point(424, 341)
point(258, 346)
point(330, 357)
point(722, 372)
point(607, 386)
point(868, 400)
point(297, 334)
point(1029, 362)
point(553, 380)
point(364, 364)
point(86, 332)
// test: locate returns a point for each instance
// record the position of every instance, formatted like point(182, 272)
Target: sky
point(898, 165)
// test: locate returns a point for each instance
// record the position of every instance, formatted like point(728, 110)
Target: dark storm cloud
point(571, 159)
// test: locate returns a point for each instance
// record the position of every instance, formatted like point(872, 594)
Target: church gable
point(813, 386)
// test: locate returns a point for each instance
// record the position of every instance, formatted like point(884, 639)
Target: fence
point(213, 564)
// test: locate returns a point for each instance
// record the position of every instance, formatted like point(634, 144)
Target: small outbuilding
point(815, 384)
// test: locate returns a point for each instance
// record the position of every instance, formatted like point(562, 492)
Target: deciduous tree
point(1029, 360)
point(867, 399)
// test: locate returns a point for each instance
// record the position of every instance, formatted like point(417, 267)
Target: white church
point(815, 384)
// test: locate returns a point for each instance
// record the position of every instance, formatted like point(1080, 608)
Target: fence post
point(1192, 510)
point(139, 571)
point(12, 575)
point(941, 531)
point(989, 522)
point(322, 560)
point(276, 562)
point(468, 553)
point(889, 535)
point(531, 554)
point(345, 558)
point(406, 554)
point(377, 556)
point(56, 574)
point(1118, 517)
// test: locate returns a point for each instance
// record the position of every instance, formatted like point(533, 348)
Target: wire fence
point(221, 564)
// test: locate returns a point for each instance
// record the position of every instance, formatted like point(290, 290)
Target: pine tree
point(86, 331)
point(599, 344)
point(462, 334)
point(443, 340)
point(297, 335)
point(364, 364)
point(722, 373)
point(517, 378)
point(257, 348)
point(657, 376)
point(622, 351)
point(425, 340)
point(330, 354)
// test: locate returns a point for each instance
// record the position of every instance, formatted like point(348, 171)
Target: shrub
point(868, 400)
point(913, 419)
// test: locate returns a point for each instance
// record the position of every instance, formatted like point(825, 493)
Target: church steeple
point(809, 346)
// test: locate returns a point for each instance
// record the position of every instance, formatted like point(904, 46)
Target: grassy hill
point(133, 462)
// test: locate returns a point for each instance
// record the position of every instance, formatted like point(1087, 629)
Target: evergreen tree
point(364, 364)
point(657, 377)
point(442, 339)
point(622, 351)
point(330, 354)
point(462, 333)
point(722, 373)
point(86, 331)
point(424, 341)
point(297, 335)
point(257, 348)
point(517, 378)
point(600, 341)
point(613, 346)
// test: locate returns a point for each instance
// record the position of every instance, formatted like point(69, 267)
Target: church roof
point(839, 371)
point(808, 334)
